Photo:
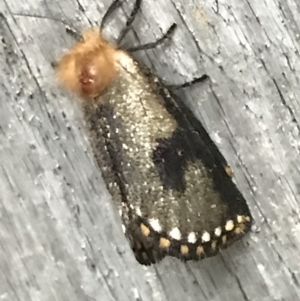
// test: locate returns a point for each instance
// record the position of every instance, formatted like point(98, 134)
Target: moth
point(165, 174)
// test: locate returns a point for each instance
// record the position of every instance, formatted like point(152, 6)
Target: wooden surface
point(60, 234)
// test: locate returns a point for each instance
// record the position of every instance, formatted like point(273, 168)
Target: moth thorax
point(90, 80)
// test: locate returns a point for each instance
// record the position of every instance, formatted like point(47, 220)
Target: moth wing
point(163, 171)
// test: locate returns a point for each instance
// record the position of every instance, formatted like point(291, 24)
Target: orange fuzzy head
point(89, 66)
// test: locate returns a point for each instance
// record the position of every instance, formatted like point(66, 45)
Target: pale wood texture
point(60, 234)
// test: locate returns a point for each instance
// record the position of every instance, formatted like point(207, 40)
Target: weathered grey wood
point(60, 234)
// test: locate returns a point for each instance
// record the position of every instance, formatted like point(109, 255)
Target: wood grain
point(60, 233)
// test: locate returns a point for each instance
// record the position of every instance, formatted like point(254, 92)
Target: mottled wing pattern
point(165, 175)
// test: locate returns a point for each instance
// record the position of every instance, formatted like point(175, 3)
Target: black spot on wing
point(170, 162)
point(171, 157)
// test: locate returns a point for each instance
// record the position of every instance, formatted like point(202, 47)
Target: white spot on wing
point(205, 236)
point(229, 225)
point(192, 238)
point(155, 224)
point(123, 228)
point(175, 233)
point(218, 231)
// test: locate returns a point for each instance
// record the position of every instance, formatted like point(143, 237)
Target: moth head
point(89, 66)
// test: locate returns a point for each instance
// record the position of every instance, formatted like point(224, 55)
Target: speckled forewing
point(173, 193)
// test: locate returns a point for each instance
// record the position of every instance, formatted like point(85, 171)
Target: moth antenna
point(154, 44)
point(42, 17)
point(69, 29)
point(112, 7)
point(130, 20)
